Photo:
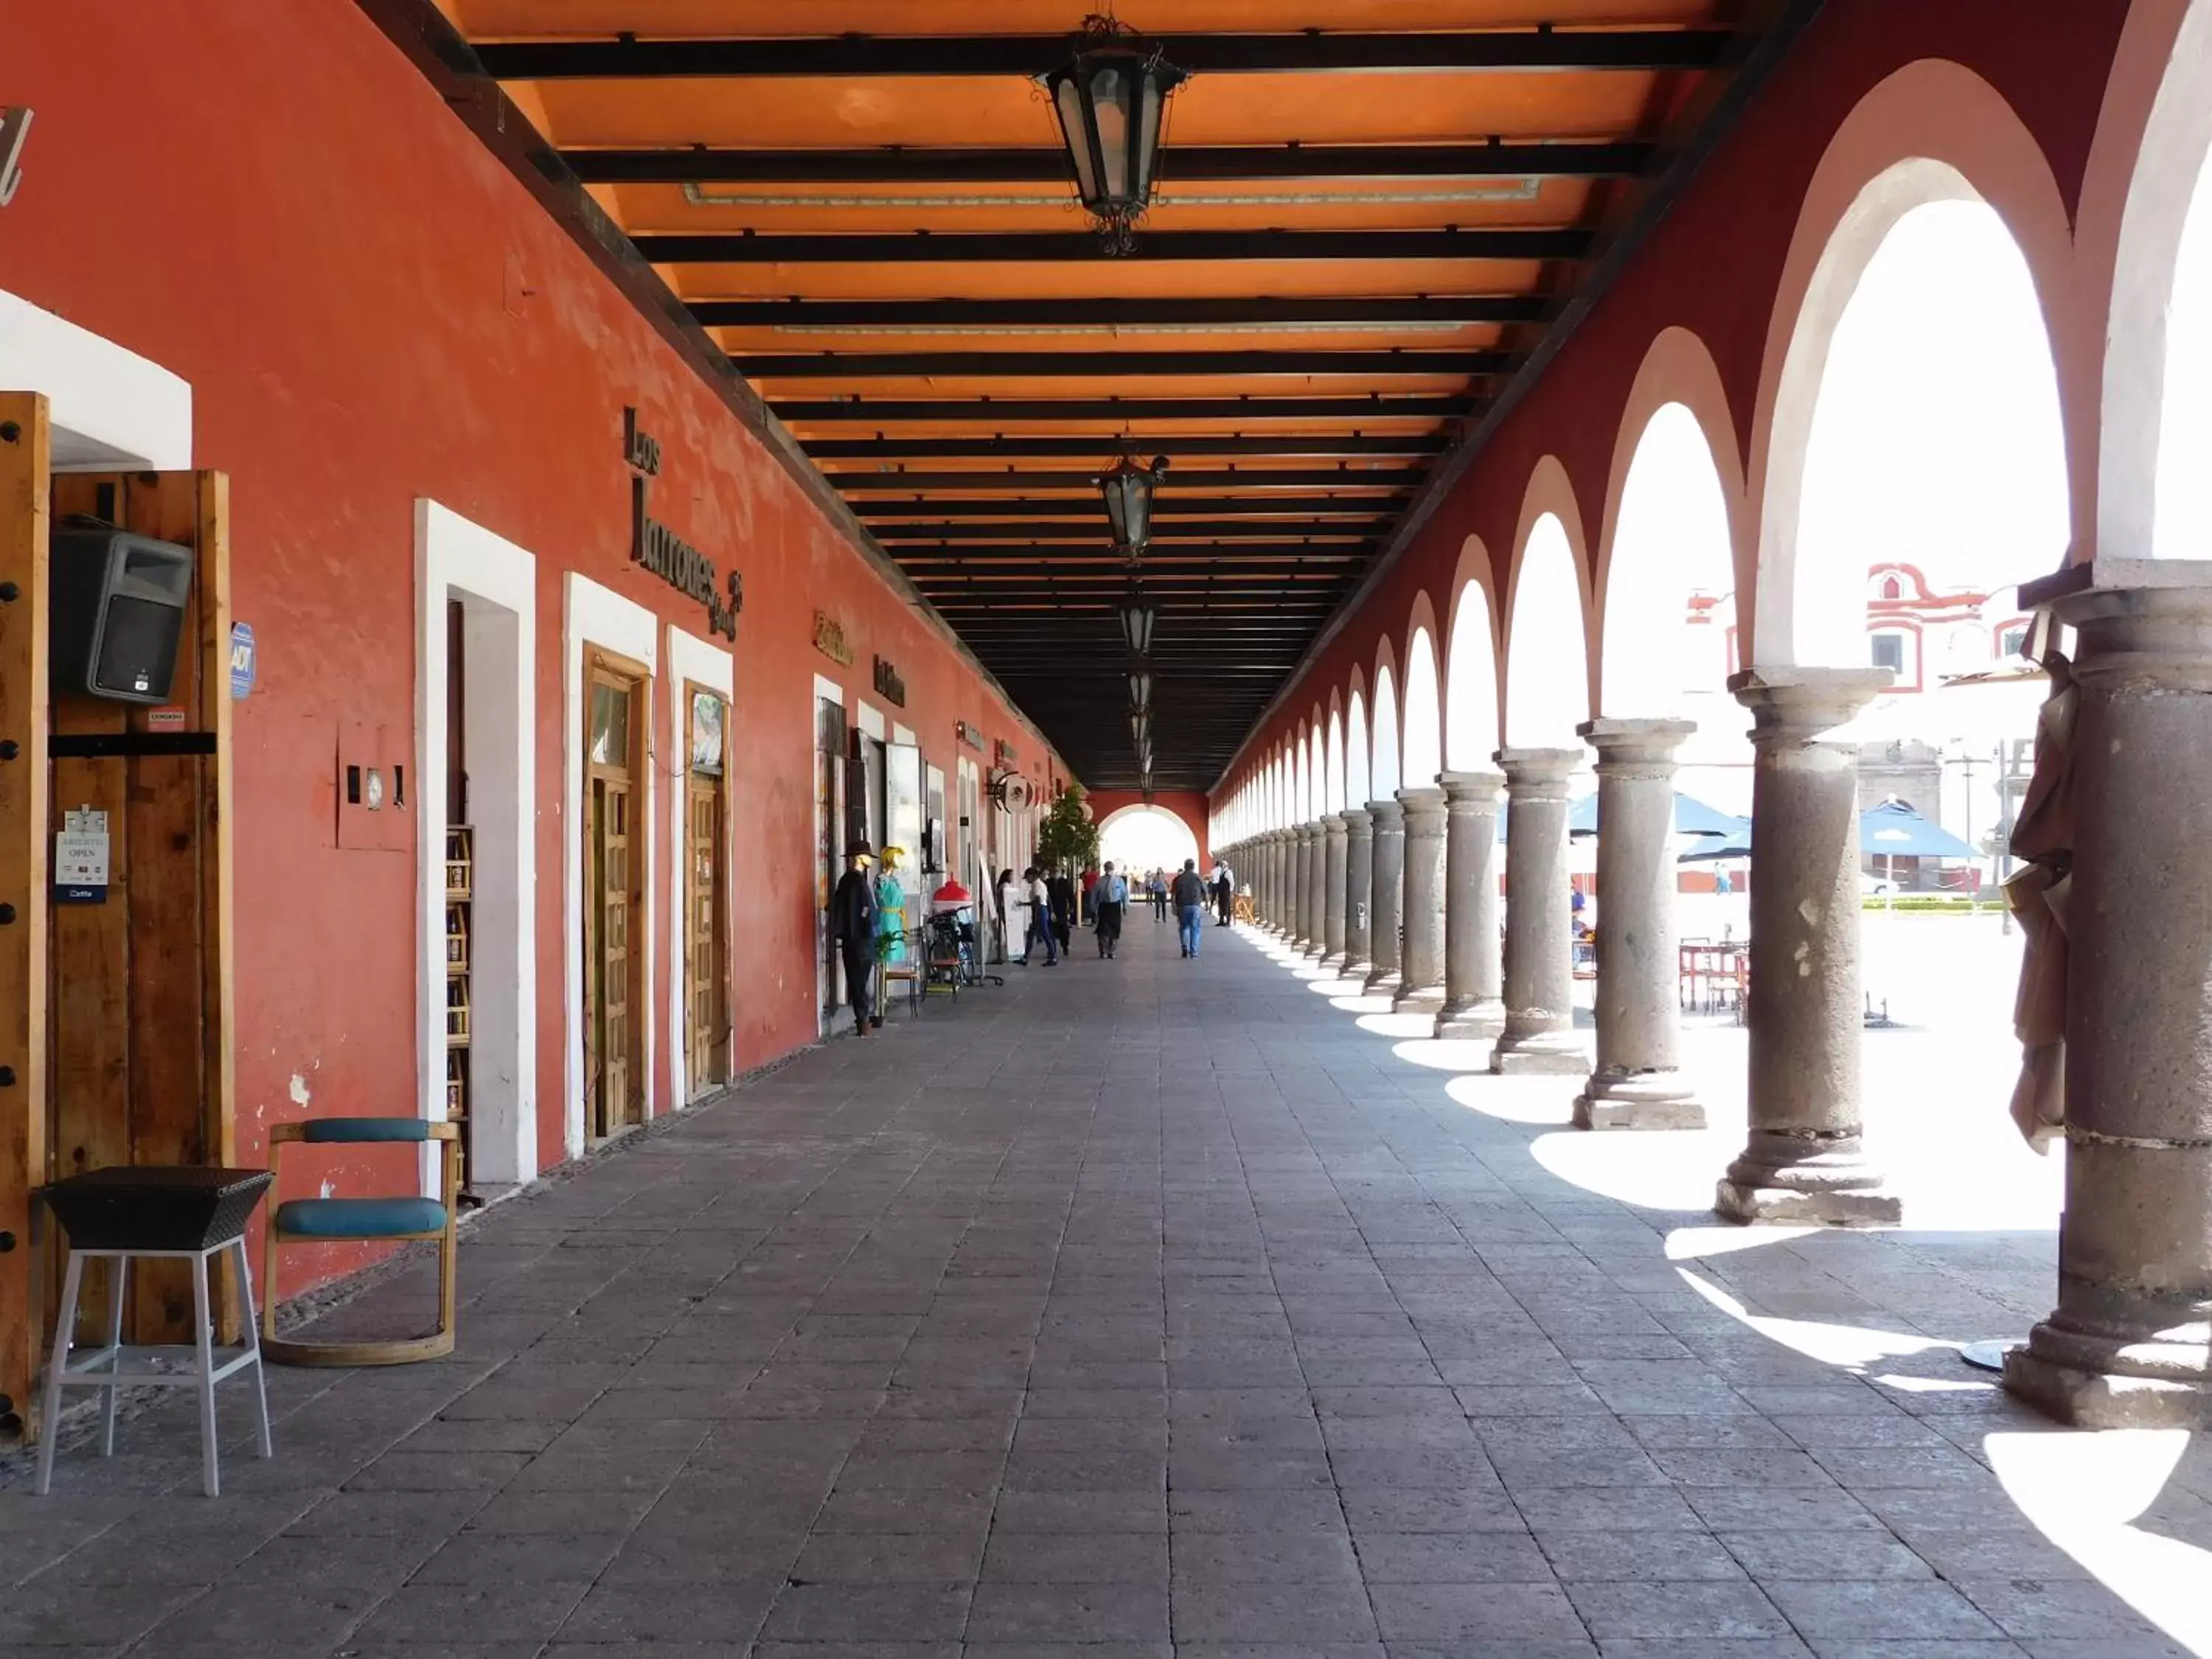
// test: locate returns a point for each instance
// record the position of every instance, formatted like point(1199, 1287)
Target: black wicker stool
point(154, 1209)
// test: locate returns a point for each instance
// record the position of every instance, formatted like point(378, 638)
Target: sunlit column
point(1332, 890)
point(1473, 1005)
point(1540, 1009)
point(1421, 960)
point(1276, 922)
point(2130, 1345)
point(1358, 886)
point(1316, 855)
point(1637, 1083)
point(1805, 1160)
point(1294, 906)
point(1388, 887)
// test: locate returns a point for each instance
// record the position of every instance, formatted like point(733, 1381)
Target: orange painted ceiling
point(1304, 329)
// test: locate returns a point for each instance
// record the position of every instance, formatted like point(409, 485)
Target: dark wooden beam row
point(1166, 509)
point(889, 316)
point(986, 411)
point(1181, 447)
point(850, 56)
point(1195, 164)
point(1080, 480)
point(1192, 530)
point(1060, 247)
point(1163, 556)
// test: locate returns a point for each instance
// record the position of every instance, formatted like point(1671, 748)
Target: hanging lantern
point(1141, 689)
point(1112, 103)
point(1128, 490)
point(1137, 619)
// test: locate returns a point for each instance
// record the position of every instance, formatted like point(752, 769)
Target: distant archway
point(1145, 837)
point(1546, 667)
point(1471, 736)
point(1358, 785)
point(1424, 728)
point(1383, 762)
point(1670, 581)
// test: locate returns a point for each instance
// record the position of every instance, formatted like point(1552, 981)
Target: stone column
point(1358, 890)
point(1539, 978)
point(1263, 880)
point(1333, 842)
point(1637, 1083)
point(1294, 887)
point(1316, 859)
point(1276, 921)
point(1474, 1006)
point(2130, 1344)
point(1421, 964)
point(1389, 891)
point(1804, 1161)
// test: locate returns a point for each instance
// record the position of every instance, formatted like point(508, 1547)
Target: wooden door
point(705, 901)
point(615, 706)
point(830, 850)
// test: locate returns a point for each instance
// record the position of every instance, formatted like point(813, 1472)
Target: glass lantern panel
point(1109, 105)
point(1148, 135)
point(1077, 131)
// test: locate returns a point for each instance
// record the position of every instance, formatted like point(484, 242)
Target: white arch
point(1546, 668)
point(1316, 772)
point(1424, 726)
point(1384, 761)
point(1936, 437)
point(1671, 542)
point(1334, 798)
point(1302, 789)
point(1146, 836)
point(2157, 410)
point(1358, 787)
point(1471, 682)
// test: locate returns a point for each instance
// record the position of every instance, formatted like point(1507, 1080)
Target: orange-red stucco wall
point(264, 197)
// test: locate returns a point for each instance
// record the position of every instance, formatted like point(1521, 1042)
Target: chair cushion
point(358, 1130)
point(359, 1218)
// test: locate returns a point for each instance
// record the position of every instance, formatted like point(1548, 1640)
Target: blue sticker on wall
point(242, 660)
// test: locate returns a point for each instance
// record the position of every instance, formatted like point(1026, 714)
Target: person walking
point(852, 915)
point(1224, 889)
point(1189, 896)
point(1090, 886)
point(1040, 903)
point(1109, 899)
point(1159, 885)
point(1061, 892)
point(1010, 906)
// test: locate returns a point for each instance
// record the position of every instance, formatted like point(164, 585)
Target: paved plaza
point(1162, 1307)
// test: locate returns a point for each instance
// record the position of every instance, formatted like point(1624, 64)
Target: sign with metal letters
point(665, 553)
point(888, 686)
point(830, 638)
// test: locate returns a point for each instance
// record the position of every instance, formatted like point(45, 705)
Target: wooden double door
point(616, 707)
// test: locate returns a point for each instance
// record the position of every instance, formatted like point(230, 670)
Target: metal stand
point(201, 1365)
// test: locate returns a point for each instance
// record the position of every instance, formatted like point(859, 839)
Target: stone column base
point(1383, 982)
point(1477, 1022)
point(1540, 1054)
point(1359, 970)
point(2089, 1382)
point(1838, 1188)
point(1425, 999)
point(1640, 1100)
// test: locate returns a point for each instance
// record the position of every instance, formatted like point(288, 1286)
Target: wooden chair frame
point(400, 1350)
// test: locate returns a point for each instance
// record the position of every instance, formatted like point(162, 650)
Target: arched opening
point(1333, 799)
point(2182, 525)
point(1357, 786)
point(1668, 642)
point(1145, 837)
point(1471, 682)
point(1424, 750)
point(1383, 762)
point(1546, 666)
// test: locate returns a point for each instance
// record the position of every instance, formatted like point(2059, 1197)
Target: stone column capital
point(1357, 819)
point(2148, 619)
point(1792, 705)
point(1469, 792)
point(1635, 749)
point(1426, 798)
point(1332, 826)
point(1535, 774)
point(1386, 812)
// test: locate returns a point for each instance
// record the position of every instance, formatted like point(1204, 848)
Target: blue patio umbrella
point(1691, 818)
point(1893, 829)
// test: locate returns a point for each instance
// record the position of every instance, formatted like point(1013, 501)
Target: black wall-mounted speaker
point(119, 607)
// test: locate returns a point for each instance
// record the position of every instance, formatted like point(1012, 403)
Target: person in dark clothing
point(1109, 901)
point(1223, 892)
point(853, 925)
point(1189, 896)
point(1063, 908)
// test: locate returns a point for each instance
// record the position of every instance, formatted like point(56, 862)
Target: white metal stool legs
point(64, 1327)
point(200, 1366)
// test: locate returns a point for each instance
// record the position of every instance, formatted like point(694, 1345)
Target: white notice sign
point(80, 859)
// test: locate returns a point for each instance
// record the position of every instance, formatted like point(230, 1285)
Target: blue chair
point(397, 1219)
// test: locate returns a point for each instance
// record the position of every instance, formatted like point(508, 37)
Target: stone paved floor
point(1149, 1309)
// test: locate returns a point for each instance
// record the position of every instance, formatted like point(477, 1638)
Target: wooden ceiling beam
point(1114, 365)
point(1182, 164)
point(889, 530)
point(992, 412)
point(1079, 479)
point(1180, 446)
point(1165, 508)
point(852, 57)
point(1099, 315)
point(745, 248)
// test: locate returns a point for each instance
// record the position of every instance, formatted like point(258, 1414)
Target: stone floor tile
point(723, 1611)
point(861, 1558)
point(496, 1612)
point(1031, 1614)
point(1049, 1557)
point(1448, 1557)
point(1869, 1610)
point(1273, 1613)
point(840, 1613)
point(1649, 1555)
point(1263, 1558)
point(1700, 1610)
point(1469, 1616)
